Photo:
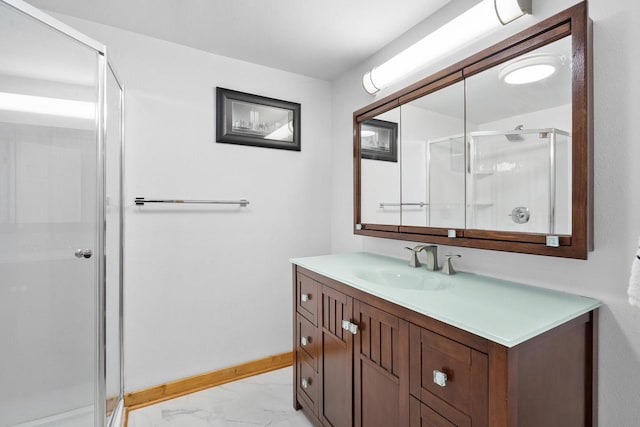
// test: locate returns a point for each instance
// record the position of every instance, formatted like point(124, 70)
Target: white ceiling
point(321, 39)
point(489, 99)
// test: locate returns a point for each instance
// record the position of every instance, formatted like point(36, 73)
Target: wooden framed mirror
point(494, 152)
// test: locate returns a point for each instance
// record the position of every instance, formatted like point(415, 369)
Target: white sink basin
point(403, 279)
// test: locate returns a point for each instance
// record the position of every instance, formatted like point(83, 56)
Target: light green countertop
point(505, 312)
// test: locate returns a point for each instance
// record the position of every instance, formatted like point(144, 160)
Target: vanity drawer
point(307, 297)
point(445, 371)
point(421, 415)
point(307, 387)
point(308, 342)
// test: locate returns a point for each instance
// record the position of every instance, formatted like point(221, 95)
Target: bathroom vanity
point(378, 343)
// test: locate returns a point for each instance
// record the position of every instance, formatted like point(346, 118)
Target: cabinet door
point(381, 368)
point(336, 369)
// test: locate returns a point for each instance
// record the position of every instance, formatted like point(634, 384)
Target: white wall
point(446, 196)
point(617, 199)
point(381, 182)
point(205, 287)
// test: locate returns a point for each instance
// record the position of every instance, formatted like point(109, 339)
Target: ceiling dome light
point(529, 69)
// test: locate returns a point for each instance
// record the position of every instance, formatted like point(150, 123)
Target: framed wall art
point(246, 119)
point(379, 139)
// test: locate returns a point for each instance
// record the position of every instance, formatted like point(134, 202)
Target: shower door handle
point(83, 253)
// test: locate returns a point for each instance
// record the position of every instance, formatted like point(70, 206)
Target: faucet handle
point(413, 261)
point(448, 267)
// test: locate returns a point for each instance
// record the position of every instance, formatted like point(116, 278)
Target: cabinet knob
point(304, 341)
point(305, 297)
point(440, 378)
point(351, 327)
point(305, 383)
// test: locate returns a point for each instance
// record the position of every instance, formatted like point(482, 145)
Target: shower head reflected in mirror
point(515, 137)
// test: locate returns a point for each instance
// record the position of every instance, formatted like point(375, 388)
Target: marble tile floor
point(261, 400)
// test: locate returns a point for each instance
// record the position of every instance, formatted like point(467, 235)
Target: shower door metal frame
point(101, 123)
point(121, 87)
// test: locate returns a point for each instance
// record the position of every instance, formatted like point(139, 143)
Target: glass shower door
point(514, 181)
point(50, 244)
point(445, 157)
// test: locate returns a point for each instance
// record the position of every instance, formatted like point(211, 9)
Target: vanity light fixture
point(484, 17)
point(529, 69)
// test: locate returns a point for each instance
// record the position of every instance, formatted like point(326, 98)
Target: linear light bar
point(50, 106)
point(480, 19)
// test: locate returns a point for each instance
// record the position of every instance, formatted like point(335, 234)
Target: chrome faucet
point(432, 256)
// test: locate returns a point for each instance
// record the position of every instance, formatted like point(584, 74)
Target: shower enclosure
point(520, 180)
point(61, 152)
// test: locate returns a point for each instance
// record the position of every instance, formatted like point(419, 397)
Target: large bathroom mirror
point(494, 152)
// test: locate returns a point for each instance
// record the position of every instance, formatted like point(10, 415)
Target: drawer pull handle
point(351, 327)
point(305, 341)
point(306, 383)
point(440, 378)
point(305, 297)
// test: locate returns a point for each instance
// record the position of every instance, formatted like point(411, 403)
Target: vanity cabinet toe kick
point(360, 360)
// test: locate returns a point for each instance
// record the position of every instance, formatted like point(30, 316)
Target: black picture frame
point(379, 140)
point(247, 119)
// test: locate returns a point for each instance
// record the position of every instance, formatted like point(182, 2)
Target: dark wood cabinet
point(306, 387)
point(335, 359)
point(423, 416)
point(380, 363)
point(366, 362)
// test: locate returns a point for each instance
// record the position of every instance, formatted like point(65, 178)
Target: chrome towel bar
point(421, 204)
point(140, 201)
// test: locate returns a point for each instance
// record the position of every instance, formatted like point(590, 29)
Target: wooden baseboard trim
point(152, 395)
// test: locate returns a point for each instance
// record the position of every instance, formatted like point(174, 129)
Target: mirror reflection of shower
point(520, 180)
